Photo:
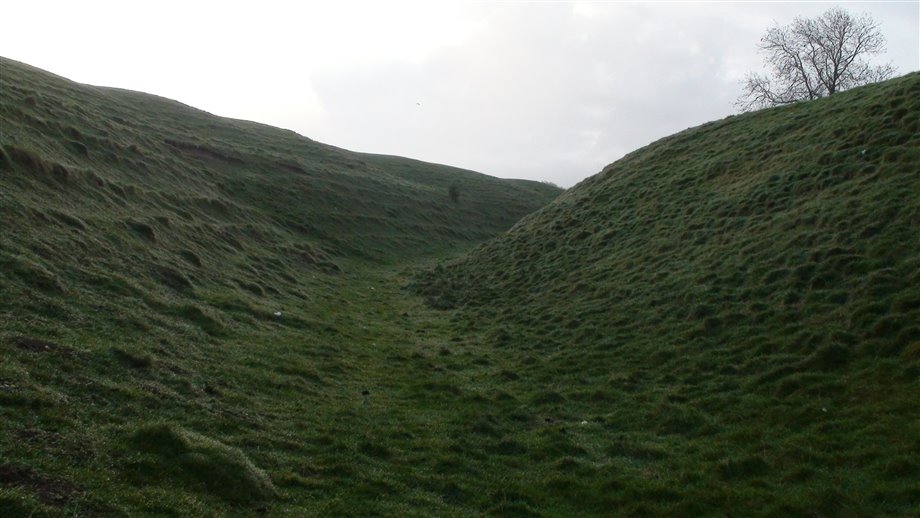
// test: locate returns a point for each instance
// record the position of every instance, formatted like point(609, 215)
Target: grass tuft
point(207, 464)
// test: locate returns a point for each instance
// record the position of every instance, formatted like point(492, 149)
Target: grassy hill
point(726, 321)
point(125, 196)
point(173, 283)
point(210, 317)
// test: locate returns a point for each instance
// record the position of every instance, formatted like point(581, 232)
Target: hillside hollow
point(208, 316)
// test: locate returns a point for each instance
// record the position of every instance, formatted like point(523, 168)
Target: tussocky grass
point(203, 316)
point(733, 312)
point(710, 326)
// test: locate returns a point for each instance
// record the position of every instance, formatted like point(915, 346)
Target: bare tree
point(814, 58)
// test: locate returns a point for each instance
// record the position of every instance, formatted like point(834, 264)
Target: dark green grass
point(703, 329)
point(120, 209)
point(739, 298)
point(199, 315)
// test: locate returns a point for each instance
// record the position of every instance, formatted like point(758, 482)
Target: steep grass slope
point(199, 316)
point(126, 196)
point(733, 312)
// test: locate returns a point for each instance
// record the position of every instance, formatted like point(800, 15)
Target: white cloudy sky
point(542, 90)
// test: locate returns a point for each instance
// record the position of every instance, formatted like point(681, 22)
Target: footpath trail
point(426, 418)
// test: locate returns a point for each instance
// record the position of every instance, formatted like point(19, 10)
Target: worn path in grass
point(363, 401)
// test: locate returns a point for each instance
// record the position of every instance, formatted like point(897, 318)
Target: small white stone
point(277, 313)
point(823, 409)
point(584, 423)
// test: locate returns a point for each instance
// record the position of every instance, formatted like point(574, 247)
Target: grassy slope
point(722, 289)
point(174, 201)
point(144, 247)
point(734, 311)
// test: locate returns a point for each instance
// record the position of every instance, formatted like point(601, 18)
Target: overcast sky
point(547, 91)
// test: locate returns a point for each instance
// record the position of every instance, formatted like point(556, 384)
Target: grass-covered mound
point(134, 210)
point(175, 455)
point(233, 281)
point(733, 311)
